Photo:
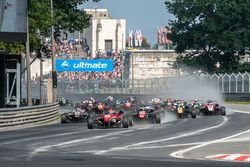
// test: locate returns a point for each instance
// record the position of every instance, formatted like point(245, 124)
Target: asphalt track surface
point(175, 143)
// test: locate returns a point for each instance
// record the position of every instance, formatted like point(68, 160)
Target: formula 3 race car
point(108, 118)
point(148, 113)
point(77, 115)
point(64, 102)
point(212, 108)
point(184, 110)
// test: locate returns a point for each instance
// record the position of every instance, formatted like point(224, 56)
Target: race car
point(149, 113)
point(64, 102)
point(212, 108)
point(107, 118)
point(77, 115)
point(184, 110)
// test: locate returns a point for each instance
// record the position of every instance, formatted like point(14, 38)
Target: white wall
point(108, 32)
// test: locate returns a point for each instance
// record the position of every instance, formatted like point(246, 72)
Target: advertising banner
point(84, 65)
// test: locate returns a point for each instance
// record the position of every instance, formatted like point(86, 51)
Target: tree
point(215, 32)
point(12, 47)
point(145, 43)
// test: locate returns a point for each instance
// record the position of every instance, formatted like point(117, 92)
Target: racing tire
point(193, 114)
point(179, 116)
point(107, 125)
point(223, 111)
point(76, 120)
point(131, 122)
point(65, 119)
point(158, 118)
point(90, 123)
point(125, 123)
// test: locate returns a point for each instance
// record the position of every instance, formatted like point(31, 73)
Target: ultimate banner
point(84, 65)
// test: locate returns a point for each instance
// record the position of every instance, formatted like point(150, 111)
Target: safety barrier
point(12, 118)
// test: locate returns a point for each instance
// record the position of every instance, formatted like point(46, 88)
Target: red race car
point(108, 118)
point(212, 108)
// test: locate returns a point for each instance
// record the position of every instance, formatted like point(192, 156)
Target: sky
point(145, 15)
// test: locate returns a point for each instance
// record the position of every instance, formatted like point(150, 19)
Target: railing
point(12, 118)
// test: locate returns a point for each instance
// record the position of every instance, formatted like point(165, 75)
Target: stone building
point(104, 32)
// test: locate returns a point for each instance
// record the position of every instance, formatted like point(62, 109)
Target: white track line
point(47, 147)
point(242, 112)
point(232, 157)
point(180, 153)
point(42, 137)
point(247, 160)
point(225, 119)
point(131, 146)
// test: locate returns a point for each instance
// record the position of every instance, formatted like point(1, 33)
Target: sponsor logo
point(65, 65)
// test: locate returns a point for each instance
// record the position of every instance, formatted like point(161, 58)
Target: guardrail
point(12, 118)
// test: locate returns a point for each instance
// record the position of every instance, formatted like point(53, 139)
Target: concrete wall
point(148, 64)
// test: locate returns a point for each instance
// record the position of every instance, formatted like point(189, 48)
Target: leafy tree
point(12, 47)
point(245, 67)
point(145, 43)
point(217, 32)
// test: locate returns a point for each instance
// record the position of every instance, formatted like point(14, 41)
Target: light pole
point(29, 95)
point(52, 51)
point(41, 81)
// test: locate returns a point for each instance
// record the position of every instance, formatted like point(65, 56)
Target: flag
point(158, 35)
point(140, 38)
point(130, 42)
point(164, 36)
point(136, 38)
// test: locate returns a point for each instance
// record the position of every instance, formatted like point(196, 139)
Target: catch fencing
point(111, 86)
point(224, 83)
point(230, 83)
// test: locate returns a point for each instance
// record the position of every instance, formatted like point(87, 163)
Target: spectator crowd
point(68, 49)
point(117, 58)
point(64, 49)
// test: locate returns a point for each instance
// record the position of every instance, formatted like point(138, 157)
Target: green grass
point(237, 102)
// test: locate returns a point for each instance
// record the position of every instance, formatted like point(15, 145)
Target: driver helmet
point(100, 106)
point(110, 111)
